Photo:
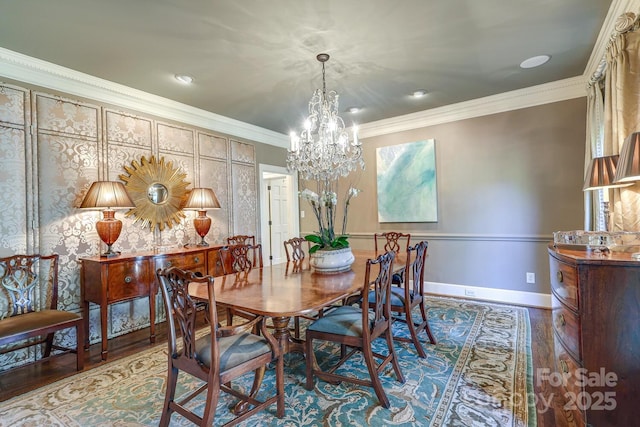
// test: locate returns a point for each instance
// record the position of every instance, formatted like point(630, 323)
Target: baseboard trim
point(506, 296)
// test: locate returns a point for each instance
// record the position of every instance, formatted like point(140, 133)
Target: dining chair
point(392, 241)
point(240, 259)
point(406, 297)
point(294, 248)
point(356, 329)
point(241, 239)
point(221, 355)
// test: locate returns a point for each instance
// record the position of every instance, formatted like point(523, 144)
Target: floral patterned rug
point(478, 374)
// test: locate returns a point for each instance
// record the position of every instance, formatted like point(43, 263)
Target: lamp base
point(202, 224)
point(109, 230)
point(109, 253)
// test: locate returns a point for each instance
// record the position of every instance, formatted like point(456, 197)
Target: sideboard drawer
point(195, 261)
point(570, 389)
point(564, 282)
point(127, 280)
point(566, 324)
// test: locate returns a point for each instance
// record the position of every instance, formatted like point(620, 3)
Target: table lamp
point(110, 195)
point(201, 199)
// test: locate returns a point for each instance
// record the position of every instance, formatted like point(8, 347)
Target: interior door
point(278, 201)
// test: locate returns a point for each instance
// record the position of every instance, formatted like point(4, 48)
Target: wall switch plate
point(301, 214)
point(531, 277)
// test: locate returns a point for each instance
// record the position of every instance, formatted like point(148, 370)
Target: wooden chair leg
point(80, 333)
point(375, 379)
point(425, 320)
point(280, 386)
point(414, 334)
point(296, 327)
point(49, 345)
point(394, 356)
point(169, 397)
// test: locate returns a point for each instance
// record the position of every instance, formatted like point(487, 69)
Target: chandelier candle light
point(324, 152)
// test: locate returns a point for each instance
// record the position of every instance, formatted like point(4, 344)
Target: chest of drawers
point(105, 281)
point(596, 314)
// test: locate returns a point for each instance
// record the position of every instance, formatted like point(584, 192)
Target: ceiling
point(255, 61)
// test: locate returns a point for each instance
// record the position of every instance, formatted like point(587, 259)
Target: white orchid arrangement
point(324, 207)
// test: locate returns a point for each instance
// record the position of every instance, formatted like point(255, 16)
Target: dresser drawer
point(194, 261)
point(127, 280)
point(566, 325)
point(569, 391)
point(564, 282)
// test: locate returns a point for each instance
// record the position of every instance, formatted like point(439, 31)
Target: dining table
point(283, 291)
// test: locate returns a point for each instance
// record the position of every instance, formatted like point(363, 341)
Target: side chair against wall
point(29, 288)
point(392, 241)
point(240, 259)
point(217, 358)
point(408, 296)
point(357, 329)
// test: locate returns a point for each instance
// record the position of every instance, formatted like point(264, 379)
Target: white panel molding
point(560, 90)
point(34, 71)
point(506, 296)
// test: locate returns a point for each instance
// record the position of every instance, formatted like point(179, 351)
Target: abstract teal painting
point(406, 176)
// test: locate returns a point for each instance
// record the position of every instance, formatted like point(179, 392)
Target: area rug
point(478, 374)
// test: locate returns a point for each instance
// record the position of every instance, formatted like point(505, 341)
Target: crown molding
point(560, 90)
point(34, 71)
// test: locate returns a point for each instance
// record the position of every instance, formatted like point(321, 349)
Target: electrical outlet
point(469, 292)
point(301, 214)
point(531, 277)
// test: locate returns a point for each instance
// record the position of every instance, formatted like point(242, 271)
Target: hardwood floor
point(22, 380)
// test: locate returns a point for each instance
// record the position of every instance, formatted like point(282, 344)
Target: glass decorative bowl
point(617, 241)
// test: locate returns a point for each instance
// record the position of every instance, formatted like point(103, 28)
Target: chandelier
point(323, 150)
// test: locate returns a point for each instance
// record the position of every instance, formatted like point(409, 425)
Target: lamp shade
point(107, 194)
point(601, 173)
point(628, 169)
point(202, 199)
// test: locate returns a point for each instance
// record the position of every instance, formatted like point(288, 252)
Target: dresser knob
point(559, 276)
point(168, 264)
point(128, 279)
point(197, 260)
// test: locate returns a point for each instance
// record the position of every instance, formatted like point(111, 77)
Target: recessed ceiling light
point(419, 93)
point(183, 78)
point(534, 61)
point(354, 110)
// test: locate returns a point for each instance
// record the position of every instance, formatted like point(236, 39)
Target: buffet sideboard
point(596, 324)
point(105, 281)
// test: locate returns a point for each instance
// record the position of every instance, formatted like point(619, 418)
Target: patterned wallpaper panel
point(128, 129)
point(244, 199)
point(212, 146)
point(176, 139)
point(241, 152)
point(13, 173)
point(66, 117)
point(213, 174)
point(13, 106)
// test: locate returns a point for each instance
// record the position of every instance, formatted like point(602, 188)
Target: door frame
point(268, 172)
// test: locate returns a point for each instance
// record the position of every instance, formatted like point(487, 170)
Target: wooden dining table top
point(282, 290)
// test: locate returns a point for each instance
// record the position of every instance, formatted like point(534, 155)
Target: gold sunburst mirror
point(158, 191)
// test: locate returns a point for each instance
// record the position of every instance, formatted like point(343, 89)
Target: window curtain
point(621, 114)
point(594, 148)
